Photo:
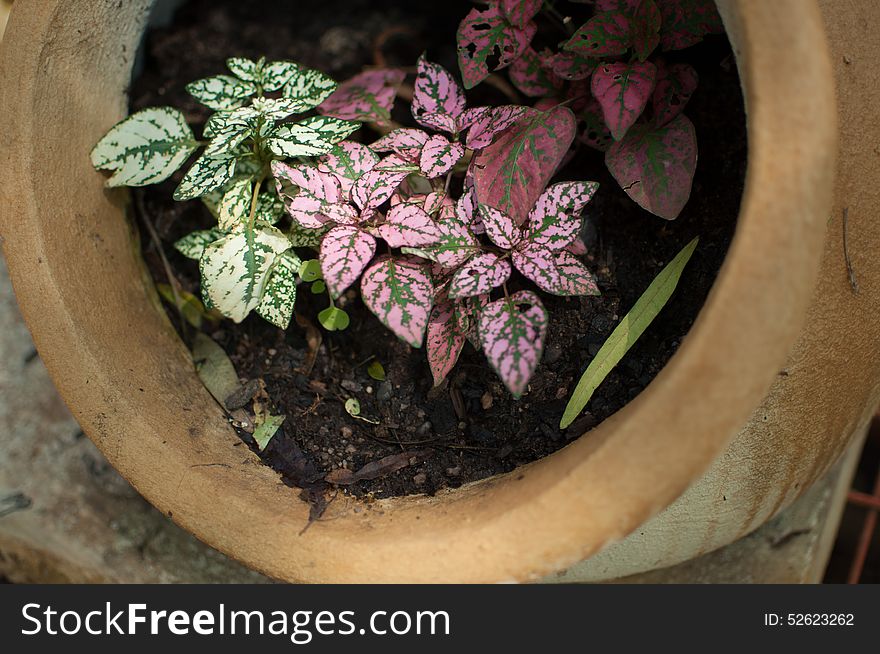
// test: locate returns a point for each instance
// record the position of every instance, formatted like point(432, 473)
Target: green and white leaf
point(205, 175)
point(221, 92)
point(280, 294)
point(300, 237)
point(309, 88)
point(226, 140)
point(235, 269)
point(145, 148)
point(273, 109)
point(235, 207)
point(193, 244)
point(243, 68)
point(276, 74)
point(270, 208)
point(310, 137)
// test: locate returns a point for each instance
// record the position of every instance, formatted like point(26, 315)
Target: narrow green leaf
point(627, 332)
point(267, 429)
point(214, 368)
point(376, 371)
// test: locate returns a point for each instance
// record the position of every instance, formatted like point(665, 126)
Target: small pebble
point(385, 392)
point(346, 432)
point(455, 471)
point(425, 428)
point(350, 449)
point(351, 385)
point(486, 401)
point(420, 479)
point(369, 390)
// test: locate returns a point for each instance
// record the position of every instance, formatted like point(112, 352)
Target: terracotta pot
point(129, 381)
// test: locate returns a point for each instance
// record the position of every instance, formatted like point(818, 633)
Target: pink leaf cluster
point(366, 97)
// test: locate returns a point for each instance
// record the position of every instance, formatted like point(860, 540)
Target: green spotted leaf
point(235, 207)
point(280, 294)
point(310, 137)
point(145, 148)
point(276, 74)
point(221, 92)
point(235, 269)
point(304, 237)
point(270, 208)
point(193, 244)
point(227, 140)
point(308, 88)
point(243, 69)
point(205, 175)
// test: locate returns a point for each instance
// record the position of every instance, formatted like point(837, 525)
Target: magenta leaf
point(406, 142)
point(607, 34)
point(407, 225)
point(433, 202)
point(317, 197)
point(457, 243)
point(675, 86)
point(367, 97)
point(479, 275)
point(437, 98)
point(645, 28)
point(484, 33)
point(520, 12)
point(375, 187)
point(345, 252)
point(348, 161)
point(500, 228)
point(511, 173)
point(400, 293)
point(571, 65)
point(686, 22)
point(623, 90)
point(488, 124)
point(575, 278)
point(470, 116)
point(439, 156)
point(556, 219)
point(538, 263)
point(594, 131)
point(512, 332)
point(529, 75)
point(655, 165)
point(625, 6)
point(444, 339)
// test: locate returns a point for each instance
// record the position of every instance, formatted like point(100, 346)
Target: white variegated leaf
point(205, 175)
point(279, 296)
point(226, 140)
point(270, 208)
point(193, 244)
point(276, 74)
point(308, 88)
point(310, 137)
point(302, 237)
point(244, 69)
point(145, 148)
point(221, 92)
point(235, 205)
point(235, 269)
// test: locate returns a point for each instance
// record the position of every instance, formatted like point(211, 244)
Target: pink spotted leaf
point(437, 98)
point(529, 75)
point(538, 263)
point(571, 66)
point(400, 293)
point(623, 91)
point(315, 197)
point(655, 165)
point(520, 12)
point(675, 86)
point(444, 340)
point(606, 34)
point(457, 243)
point(577, 247)
point(470, 116)
point(406, 142)
point(500, 228)
point(348, 161)
point(408, 225)
point(439, 156)
point(492, 122)
point(485, 33)
point(512, 332)
point(366, 97)
point(576, 279)
point(374, 188)
point(556, 218)
point(433, 202)
point(645, 28)
point(479, 275)
point(511, 173)
point(345, 252)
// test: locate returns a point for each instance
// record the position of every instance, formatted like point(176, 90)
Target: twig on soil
point(853, 282)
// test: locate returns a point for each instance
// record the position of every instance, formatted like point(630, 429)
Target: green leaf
point(310, 137)
point(214, 368)
point(190, 307)
point(221, 92)
point(318, 287)
point(376, 371)
point(333, 319)
point(310, 270)
point(627, 332)
point(145, 148)
point(353, 407)
point(235, 206)
point(205, 175)
point(193, 244)
point(280, 294)
point(308, 88)
point(267, 429)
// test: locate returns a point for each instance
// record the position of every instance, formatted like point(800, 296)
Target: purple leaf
point(348, 161)
point(594, 131)
point(511, 173)
point(484, 33)
point(500, 228)
point(439, 156)
point(400, 293)
point(407, 225)
point(520, 12)
point(437, 98)
point(607, 34)
point(345, 252)
point(374, 187)
point(538, 263)
point(445, 340)
point(367, 97)
point(675, 86)
point(479, 275)
point(556, 219)
point(529, 75)
point(571, 65)
point(406, 142)
point(686, 22)
point(575, 278)
point(490, 123)
point(623, 90)
point(655, 165)
point(645, 29)
point(512, 331)
point(471, 115)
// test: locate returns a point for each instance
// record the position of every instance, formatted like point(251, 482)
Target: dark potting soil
point(469, 428)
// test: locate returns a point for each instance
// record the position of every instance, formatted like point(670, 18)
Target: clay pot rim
point(531, 522)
